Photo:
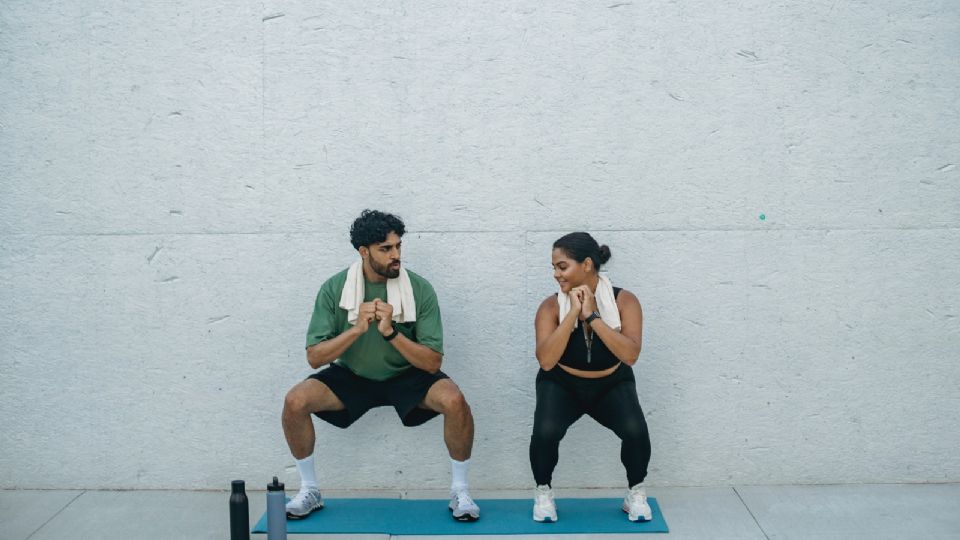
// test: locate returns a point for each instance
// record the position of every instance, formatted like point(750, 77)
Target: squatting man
point(381, 323)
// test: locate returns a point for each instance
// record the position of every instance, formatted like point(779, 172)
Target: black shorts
point(359, 394)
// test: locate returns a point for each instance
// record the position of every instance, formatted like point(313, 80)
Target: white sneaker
point(544, 509)
point(462, 506)
point(306, 501)
point(635, 504)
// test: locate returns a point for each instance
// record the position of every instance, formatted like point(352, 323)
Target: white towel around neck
point(399, 295)
point(606, 303)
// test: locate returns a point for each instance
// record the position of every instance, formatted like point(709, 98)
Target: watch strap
point(391, 335)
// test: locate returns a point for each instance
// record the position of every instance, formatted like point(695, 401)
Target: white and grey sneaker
point(635, 504)
point(462, 506)
point(544, 509)
point(306, 501)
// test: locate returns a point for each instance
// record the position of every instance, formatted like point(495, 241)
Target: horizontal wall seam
point(487, 231)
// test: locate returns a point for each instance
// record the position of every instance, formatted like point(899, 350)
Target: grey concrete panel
point(118, 120)
point(852, 330)
point(130, 514)
point(856, 512)
point(707, 513)
point(155, 515)
point(390, 106)
point(501, 128)
point(23, 512)
point(160, 356)
point(292, 116)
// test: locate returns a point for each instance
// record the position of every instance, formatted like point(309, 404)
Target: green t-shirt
point(370, 355)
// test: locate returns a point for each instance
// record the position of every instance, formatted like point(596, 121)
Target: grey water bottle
point(276, 511)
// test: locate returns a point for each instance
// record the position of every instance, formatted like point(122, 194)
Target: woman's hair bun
point(604, 254)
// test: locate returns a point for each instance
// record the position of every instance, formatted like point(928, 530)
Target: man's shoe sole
point(294, 516)
point(465, 517)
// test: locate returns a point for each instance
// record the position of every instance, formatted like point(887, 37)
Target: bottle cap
point(275, 486)
point(238, 486)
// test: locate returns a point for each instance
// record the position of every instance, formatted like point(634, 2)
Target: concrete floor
point(894, 511)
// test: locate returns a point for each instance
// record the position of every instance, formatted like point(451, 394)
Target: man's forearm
point(326, 352)
point(418, 355)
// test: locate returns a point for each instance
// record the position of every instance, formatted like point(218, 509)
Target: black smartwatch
point(391, 335)
point(592, 316)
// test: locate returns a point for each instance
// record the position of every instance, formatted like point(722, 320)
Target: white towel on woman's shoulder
point(399, 295)
point(606, 303)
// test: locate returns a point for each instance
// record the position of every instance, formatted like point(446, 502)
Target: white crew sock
point(308, 474)
point(459, 471)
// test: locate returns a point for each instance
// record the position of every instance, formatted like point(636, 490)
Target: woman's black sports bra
point(576, 354)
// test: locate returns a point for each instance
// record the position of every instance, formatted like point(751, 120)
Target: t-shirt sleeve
point(323, 323)
point(429, 326)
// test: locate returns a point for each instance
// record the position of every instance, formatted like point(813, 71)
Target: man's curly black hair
point(373, 226)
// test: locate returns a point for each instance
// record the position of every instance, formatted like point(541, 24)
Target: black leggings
point(612, 401)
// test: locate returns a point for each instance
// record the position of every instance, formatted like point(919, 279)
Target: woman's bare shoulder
point(627, 298)
point(549, 303)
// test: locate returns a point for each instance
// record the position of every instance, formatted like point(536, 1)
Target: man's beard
point(384, 270)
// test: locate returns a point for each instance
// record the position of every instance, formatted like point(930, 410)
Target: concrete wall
point(779, 183)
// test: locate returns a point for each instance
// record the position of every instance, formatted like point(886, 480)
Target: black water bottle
point(239, 513)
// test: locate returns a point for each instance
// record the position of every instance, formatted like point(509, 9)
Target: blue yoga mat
point(497, 516)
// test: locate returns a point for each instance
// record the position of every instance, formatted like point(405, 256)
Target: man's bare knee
point(455, 403)
point(296, 402)
point(311, 396)
point(449, 399)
